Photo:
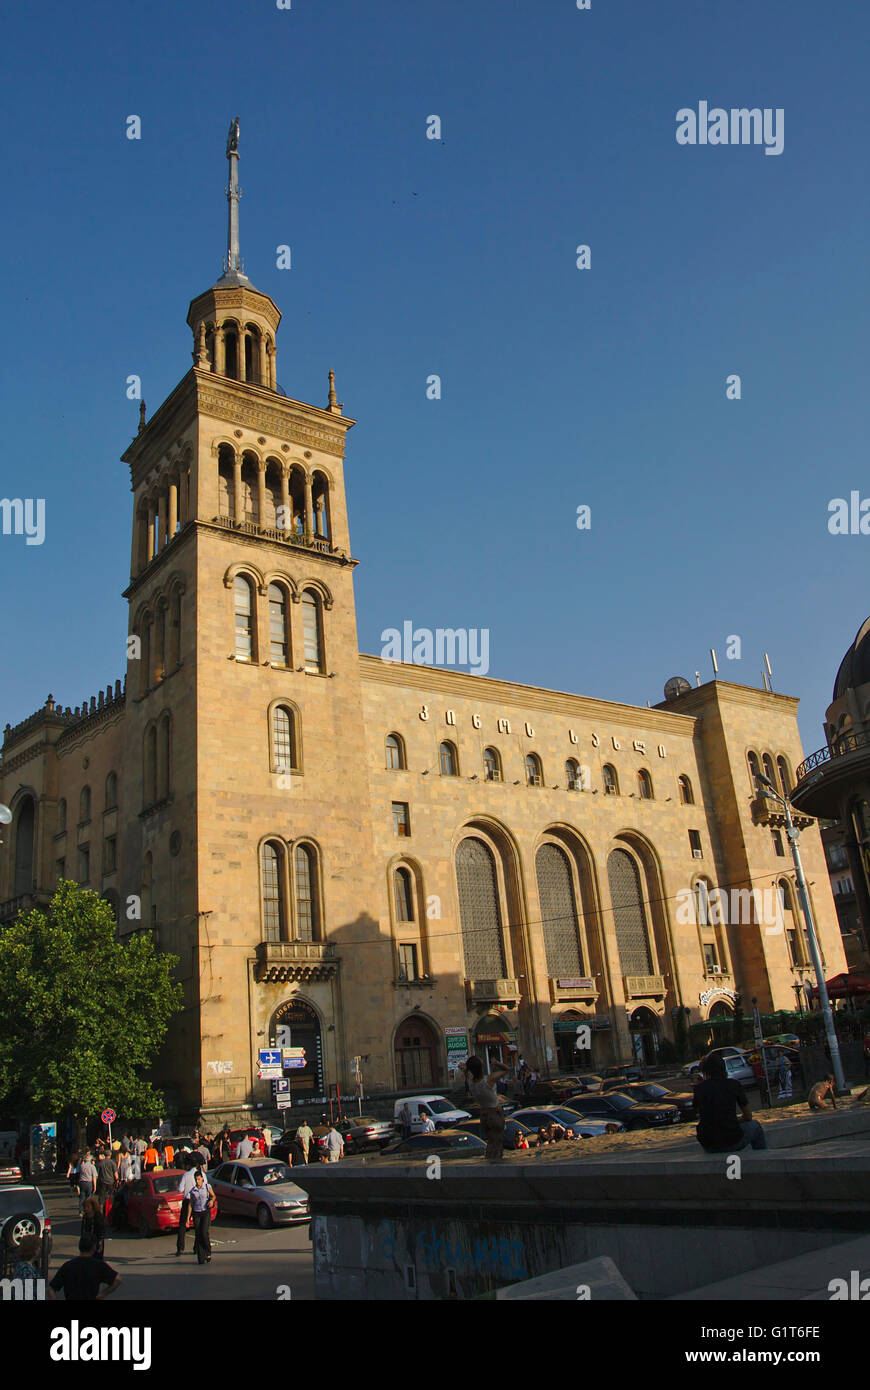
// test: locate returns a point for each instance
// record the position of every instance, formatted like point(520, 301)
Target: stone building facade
point(381, 863)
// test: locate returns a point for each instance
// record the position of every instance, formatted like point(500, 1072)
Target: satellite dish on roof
point(677, 685)
point(5, 815)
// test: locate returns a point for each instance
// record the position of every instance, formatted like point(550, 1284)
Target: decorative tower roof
point(233, 323)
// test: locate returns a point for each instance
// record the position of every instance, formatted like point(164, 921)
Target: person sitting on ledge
point(821, 1091)
point(717, 1099)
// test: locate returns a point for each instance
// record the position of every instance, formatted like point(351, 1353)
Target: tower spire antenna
point(234, 260)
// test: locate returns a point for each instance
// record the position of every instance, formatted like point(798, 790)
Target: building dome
point(855, 667)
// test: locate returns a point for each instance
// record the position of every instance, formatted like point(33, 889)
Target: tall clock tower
point(252, 854)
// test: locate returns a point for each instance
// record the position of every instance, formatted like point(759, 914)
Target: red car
point(154, 1203)
point(260, 1140)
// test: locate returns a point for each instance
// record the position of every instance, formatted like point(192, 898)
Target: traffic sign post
point(108, 1117)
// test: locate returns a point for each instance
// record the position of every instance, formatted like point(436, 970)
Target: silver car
point(23, 1213)
point(260, 1188)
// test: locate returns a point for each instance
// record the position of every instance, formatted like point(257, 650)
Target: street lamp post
point(769, 790)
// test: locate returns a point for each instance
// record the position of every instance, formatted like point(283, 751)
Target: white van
point(441, 1110)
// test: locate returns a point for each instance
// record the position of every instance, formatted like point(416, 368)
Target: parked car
point(788, 1039)
point(287, 1149)
point(447, 1144)
point(443, 1112)
point(23, 1213)
point(585, 1081)
point(614, 1106)
point(10, 1171)
point(628, 1071)
point(691, 1067)
point(154, 1203)
point(261, 1188)
point(581, 1126)
point(252, 1132)
point(642, 1091)
point(549, 1092)
point(365, 1132)
point(512, 1130)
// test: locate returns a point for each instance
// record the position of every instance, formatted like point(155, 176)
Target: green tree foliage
point(82, 1012)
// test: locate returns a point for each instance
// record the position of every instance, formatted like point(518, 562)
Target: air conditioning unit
point(697, 854)
point(715, 970)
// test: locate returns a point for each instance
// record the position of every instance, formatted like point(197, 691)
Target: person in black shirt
point(81, 1277)
point(717, 1100)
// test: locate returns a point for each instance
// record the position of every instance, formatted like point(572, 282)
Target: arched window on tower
point(145, 655)
point(312, 628)
point(226, 482)
point(320, 506)
point(250, 494)
point(754, 770)
point(274, 924)
point(111, 791)
point(404, 894)
point(243, 593)
point(164, 755)
point(278, 633)
point(25, 827)
point(173, 654)
point(231, 351)
point(284, 749)
point(644, 785)
point(784, 776)
point(159, 643)
point(687, 796)
point(61, 816)
point(85, 804)
point(611, 781)
point(149, 771)
point(786, 910)
point(305, 867)
point(767, 764)
point(272, 495)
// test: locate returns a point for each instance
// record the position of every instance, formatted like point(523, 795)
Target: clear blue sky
point(560, 387)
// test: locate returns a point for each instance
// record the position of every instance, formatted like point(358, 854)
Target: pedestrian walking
point(72, 1172)
point(784, 1072)
point(491, 1114)
point(94, 1224)
point(87, 1179)
point(223, 1146)
point(717, 1099)
point(304, 1136)
point(245, 1148)
point(185, 1187)
point(405, 1118)
point(150, 1157)
point(135, 1167)
point(107, 1179)
point(334, 1145)
point(81, 1278)
point(201, 1202)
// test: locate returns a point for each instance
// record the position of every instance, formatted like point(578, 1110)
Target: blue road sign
point(270, 1057)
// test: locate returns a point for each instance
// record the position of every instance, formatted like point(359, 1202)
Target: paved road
point(247, 1263)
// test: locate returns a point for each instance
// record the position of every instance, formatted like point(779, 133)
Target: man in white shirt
point(185, 1187)
point(245, 1149)
point(334, 1145)
point(428, 1122)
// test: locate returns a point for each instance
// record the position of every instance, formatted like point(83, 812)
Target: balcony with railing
point(493, 991)
point(819, 781)
point(320, 544)
point(644, 986)
point(279, 962)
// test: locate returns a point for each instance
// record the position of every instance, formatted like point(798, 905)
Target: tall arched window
point(754, 770)
point(61, 816)
point(283, 739)
point(687, 796)
point(25, 826)
point(173, 654)
point(306, 902)
point(784, 776)
point(404, 895)
point(278, 643)
point(163, 757)
point(312, 627)
point(111, 791)
point(786, 906)
point(629, 915)
point(226, 482)
point(243, 596)
point(448, 760)
point(572, 774)
point(611, 781)
point(492, 764)
point(644, 785)
point(534, 770)
point(395, 752)
point(145, 656)
point(273, 897)
point(159, 643)
point(561, 927)
point(150, 766)
point(479, 911)
point(767, 764)
point(85, 804)
point(250, 493)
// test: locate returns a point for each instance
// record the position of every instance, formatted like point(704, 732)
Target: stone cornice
point(258, 408)
point(485, 689)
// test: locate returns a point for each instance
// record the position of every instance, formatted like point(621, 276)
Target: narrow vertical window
point(304, 900)
point(272, 914)
point(278, 624)
point(283, 749)
point(244, 619)
point(311, 627)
